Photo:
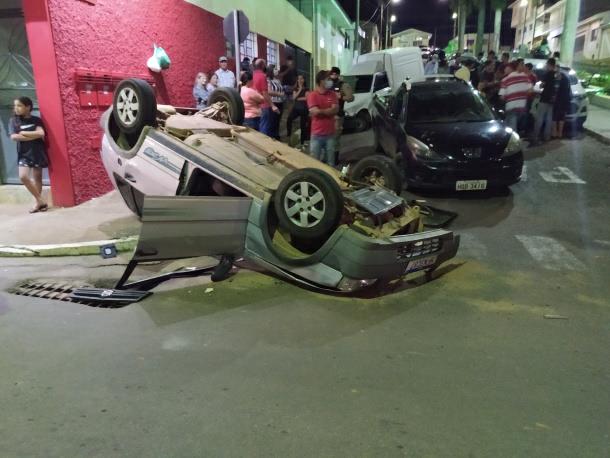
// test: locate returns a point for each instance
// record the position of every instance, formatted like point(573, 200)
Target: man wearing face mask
point(344, 94)
point(323, 105)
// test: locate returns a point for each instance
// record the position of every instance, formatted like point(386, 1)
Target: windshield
point(446, 102)
point(359, 83)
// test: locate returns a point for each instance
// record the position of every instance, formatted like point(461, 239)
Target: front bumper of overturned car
point(444, 175)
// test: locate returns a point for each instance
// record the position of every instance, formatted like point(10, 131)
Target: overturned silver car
point(203, 185)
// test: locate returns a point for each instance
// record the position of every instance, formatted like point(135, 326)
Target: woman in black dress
point(28, 132)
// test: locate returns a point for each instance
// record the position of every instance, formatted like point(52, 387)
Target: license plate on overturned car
point(471, 185)
point(419, 264)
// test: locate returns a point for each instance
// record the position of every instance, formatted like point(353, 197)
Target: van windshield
point(360, 84)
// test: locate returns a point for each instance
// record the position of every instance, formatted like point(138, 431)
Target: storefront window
point(249, 47)
point(272, 52)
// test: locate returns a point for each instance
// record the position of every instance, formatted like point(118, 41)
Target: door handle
point(130, 177)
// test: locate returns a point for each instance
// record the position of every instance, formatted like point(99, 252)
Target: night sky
point(426, 15)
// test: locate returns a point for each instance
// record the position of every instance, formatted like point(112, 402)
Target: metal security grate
point(82, 294)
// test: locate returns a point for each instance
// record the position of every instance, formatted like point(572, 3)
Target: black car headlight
point(422, 151)
point(513, 146)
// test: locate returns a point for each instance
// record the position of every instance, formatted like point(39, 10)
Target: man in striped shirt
point(515, 88)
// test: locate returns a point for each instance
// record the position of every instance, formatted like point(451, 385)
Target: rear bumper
point(440, 175)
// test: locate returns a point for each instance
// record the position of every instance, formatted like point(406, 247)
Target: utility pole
point(568, 36)
point(524, 29)
point(381, 34)
point(357, 36)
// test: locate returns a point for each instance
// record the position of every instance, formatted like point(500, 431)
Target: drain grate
point(64, 292)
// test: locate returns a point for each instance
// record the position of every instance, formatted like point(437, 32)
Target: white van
point(375, 71)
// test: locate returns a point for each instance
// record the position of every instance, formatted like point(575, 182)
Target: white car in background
point(577, 114)
point(375, 71)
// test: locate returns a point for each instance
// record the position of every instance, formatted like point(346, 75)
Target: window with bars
point(272, 52)
point(249, 47)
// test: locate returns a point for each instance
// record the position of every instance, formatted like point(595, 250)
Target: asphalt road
point(504, 354)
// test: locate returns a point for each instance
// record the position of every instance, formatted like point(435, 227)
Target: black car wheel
point(378, 170)
point(232, 98)
point(308, 203)
point(362, 121)
point(134, 106)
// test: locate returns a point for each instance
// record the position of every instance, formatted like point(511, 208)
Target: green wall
point(277, 20)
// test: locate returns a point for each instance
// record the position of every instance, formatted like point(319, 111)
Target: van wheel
point(308, 203)
point(362, 121)
point(232, 98)
point(134, 106)
point(378, 170)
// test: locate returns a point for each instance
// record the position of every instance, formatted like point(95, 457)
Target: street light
point(393, 18)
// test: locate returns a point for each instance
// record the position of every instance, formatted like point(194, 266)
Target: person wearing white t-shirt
point(226, 78)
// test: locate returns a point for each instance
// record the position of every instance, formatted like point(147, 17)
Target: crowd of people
point(274, 97)
point(509, 85)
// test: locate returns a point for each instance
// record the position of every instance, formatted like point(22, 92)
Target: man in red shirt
point(259, 83)
point(323, 105)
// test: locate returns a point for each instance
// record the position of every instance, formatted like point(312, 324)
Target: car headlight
point(513, 146)
point(422, 150)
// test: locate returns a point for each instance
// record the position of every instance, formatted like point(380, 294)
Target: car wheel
point(134, 106)
point(308, 203)
point(232, 98)
point(362, 121)
point(378, 170)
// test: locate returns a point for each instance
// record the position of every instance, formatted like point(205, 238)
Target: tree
point(480, 27)
point(463, 9)
point(498, 6)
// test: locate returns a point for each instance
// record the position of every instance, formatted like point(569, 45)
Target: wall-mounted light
point(339, 47)
point(322, 44)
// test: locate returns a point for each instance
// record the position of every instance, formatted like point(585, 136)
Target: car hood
point(463, 140)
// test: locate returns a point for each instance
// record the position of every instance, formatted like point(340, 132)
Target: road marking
point(550, 253)
point(603, 242)
point(471, 247)
point(562, 175)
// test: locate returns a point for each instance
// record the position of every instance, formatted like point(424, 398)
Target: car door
point(382, 118)
point(180, 227)
point(155, 170)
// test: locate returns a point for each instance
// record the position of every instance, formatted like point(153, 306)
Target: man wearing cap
point(226, 78)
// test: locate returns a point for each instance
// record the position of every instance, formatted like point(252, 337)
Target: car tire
point(316, 214)
point(362, 121)
point(232, 98)
point(134, 106)
point(379, 170)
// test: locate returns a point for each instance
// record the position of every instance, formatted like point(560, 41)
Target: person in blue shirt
point(200, 91)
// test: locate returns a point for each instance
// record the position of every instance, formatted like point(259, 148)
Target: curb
point(598, 136)
point(67, 249)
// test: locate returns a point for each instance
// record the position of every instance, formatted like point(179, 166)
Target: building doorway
point(16, 79)
point(302, 61)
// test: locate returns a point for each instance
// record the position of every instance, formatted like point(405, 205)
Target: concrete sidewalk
point(102, 218)
point(598, 123)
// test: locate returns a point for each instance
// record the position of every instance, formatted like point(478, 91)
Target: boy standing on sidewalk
point(323, 105)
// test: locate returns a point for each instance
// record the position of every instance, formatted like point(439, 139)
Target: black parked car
point(442, 133)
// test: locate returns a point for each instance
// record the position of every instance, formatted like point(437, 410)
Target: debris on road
point(555, 317)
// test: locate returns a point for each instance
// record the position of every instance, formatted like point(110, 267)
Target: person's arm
point(33, 135)
point(28, 136)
